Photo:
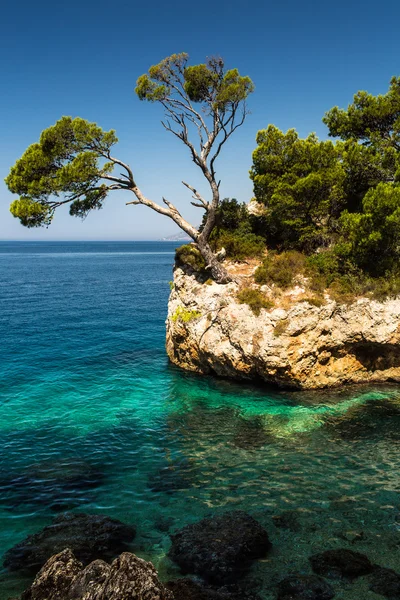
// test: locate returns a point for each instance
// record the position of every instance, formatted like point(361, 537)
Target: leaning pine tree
point(72, 162)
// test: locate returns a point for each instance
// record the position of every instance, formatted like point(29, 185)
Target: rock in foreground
point(89, 537)
point(219, 548)
point(341, 563)
point(296, 344)
point(128, 577)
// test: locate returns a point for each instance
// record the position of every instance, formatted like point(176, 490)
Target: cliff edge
point(297, 343)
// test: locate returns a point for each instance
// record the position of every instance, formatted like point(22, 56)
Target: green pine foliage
point(336, 203)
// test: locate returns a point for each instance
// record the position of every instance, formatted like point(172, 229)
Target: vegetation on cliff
point(326, 211)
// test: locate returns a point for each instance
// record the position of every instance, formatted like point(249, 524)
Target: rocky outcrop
point(297, 343)
point(89, 537)
point(219, 548)
point(128, 577)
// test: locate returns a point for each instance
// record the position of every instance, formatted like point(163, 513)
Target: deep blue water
point(86, 389)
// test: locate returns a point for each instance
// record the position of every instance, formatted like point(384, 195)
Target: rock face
point(219, 548)
point(294, 344)
point(128, 577)
point(89, 537)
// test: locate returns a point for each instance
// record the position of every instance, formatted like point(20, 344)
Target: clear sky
point(82, 58)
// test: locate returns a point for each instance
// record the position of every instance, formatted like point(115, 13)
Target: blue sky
point(82, 58)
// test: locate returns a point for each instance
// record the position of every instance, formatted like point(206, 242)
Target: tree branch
point(197, 195)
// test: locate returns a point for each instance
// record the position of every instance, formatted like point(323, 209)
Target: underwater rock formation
point(295, 344)
point(219, 548)
point(385, 582)
point(341, 562)
point(89, 537)
point(127, 578)
point(304, 587)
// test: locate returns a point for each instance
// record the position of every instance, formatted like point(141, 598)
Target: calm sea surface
point(86, 392)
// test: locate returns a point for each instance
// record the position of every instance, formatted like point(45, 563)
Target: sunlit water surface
point(86, 387)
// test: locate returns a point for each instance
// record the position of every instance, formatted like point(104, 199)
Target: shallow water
point(93, 418)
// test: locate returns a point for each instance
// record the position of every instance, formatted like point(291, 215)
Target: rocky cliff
point(297, 343)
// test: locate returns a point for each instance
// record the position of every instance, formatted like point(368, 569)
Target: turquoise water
point(86, 389)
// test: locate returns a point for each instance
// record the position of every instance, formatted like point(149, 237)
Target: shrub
point(185, 315)
point(280, 269)
point(189, 255)
point(240, 246)
point(317, 301)
point(254, 299)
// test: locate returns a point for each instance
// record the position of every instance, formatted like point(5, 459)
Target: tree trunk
point(218, 272)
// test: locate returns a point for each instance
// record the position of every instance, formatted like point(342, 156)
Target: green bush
point(185, 315)
point(254, 299)
point(189, 255)
point(280, 269)
point(240, 246)
point(317, 301)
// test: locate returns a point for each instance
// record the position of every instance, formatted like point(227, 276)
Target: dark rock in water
point(304, 587)
point(385, 582)
point(127, 578)
point(89, 537)
point(341, 563)
point(187, 589)
point(219, 548)
point(288, 519)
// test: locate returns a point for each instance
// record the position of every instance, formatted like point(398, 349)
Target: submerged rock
point(128, 577)
point(288, 519)
point(219, 548)
point(305, 587)
point(385, 582)
point(187, 589)
point(341, 563)
point(295, 344)
point(89, 537)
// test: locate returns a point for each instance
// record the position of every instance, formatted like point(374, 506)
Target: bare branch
point(170, 206)
point(122, 182)
point(197, 196)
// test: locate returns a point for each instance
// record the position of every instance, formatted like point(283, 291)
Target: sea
point(87, 394)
